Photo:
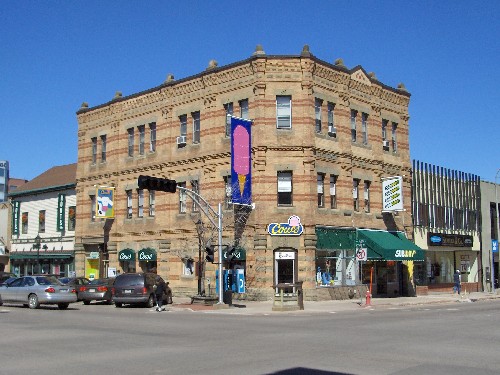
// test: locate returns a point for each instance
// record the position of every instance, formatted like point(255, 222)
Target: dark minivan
point(134, 289)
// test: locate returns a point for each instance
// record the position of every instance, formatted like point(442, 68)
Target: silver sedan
point(35, 290)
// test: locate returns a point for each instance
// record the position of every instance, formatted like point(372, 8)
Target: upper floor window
point(333, 191)
point(355, 194)
point(130, 132)
point(152, 137)
point(284, 188)
point(103, 147)
point(94, 150)
point(366, 192)
point(152, 202)
point(195, 187)
point(196, 126)
point(142, 138)
point(284, 112)
point(394, 139)
point(129, 204)
point(71, 218)
point(364, 128)
point(228, 107)
point(317, 114)
point(244, 108)
point(140, 203)
point(24, 223)
point(385, 142)
point(181, 140)
point(321, 189)
point(332, 131)
point(353, 125)
point(182, 198)
point(41, 221)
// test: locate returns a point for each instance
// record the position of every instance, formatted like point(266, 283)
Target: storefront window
point(335, 267)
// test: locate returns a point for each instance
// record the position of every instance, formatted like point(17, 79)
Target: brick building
point(323, 138)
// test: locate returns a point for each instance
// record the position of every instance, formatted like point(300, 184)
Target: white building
point(43, 223)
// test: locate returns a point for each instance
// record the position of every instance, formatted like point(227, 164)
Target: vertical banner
point(61, 208)
point(16, 209)
point(105, 203)
point(392, 194)
point(241, 160)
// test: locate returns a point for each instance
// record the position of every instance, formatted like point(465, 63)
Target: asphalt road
point(100, 339)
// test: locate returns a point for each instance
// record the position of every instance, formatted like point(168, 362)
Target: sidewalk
point(265, 307)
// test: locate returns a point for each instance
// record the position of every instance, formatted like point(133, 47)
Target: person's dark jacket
point(160, 288)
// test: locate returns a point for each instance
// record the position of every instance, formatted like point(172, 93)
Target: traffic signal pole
point(221, 285)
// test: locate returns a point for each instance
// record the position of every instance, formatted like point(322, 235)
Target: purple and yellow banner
point(241, 160)
point(105, 207)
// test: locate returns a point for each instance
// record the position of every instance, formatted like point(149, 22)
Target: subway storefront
point(352, 256)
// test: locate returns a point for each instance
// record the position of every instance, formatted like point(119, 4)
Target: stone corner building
point(323, 137)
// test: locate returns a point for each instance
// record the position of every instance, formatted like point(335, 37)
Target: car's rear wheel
point(118, 304)
point(86, 302)
point(151, 301)
point(63, 306)
point(33, 301)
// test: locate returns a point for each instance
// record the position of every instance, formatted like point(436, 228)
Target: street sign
point(362, 254)
point(494, 246)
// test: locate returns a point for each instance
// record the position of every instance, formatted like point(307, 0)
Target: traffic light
point(231, 254)
point(155, 183)
point(210, 257)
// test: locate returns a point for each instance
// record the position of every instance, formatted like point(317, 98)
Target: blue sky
point(55, 55)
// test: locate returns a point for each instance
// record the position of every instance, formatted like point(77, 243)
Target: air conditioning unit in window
point(332, 132)
point(385, 144)
point(181, 140)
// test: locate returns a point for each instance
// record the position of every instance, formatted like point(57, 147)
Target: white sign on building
point(392, 194)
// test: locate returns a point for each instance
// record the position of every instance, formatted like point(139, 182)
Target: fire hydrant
point(368, 298)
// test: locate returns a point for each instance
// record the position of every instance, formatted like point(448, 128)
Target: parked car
point(75, 282)
point(137, 288)
point(32, 291)
point(97, 290)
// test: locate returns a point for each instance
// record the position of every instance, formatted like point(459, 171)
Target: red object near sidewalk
point(368, 298)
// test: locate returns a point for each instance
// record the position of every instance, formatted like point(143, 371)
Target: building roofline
point(47, 189)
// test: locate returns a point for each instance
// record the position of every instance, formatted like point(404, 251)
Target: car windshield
point(47, 280)
point(129, 280)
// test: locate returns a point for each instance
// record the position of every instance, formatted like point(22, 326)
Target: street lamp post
point(38, 241)
point(498, 231)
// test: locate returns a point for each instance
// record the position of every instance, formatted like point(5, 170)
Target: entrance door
point(284, 267)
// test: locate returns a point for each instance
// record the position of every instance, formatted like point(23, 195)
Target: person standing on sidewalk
point(159, 291)
point(457, 279)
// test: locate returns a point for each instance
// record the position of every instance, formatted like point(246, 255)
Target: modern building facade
point(490, 196)
point(446, 220)
point(324, 138)
point(43, 223)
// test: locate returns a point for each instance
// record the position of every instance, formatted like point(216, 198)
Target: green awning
point(384, 245)
point(126, 255)
point(147, 255)
point(43, 255)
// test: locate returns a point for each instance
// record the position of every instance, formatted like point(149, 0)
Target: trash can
point(300, 294)
point(227, 297)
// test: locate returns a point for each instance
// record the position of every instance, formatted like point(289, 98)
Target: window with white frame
point(140, 203)
point(195, 187)
point(41, 221)
point(228, 107)
point(285, 188)
point(94, 149)
point(142, 138)
point(317, 114)
point(188, 267)
point(130, 132)
point(152, 202)
point(71, 218)
point(393, 135)
point(364, 127)
point(228, 196)
point(24, 223)
point(182, 198)
point(332, 131)
point(183, 125)
point(196, 126)
point(244, 108)
point(353, 125)
point(152, 137)
point(92, 208)
point(284, 112)
point(385, 143)
point(355, 194)
point(333, 191)
point(129, 204)
point(366, 193)
point(103, 147)
point(321, 189)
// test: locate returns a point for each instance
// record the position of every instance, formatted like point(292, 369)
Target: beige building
point(323, 138)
